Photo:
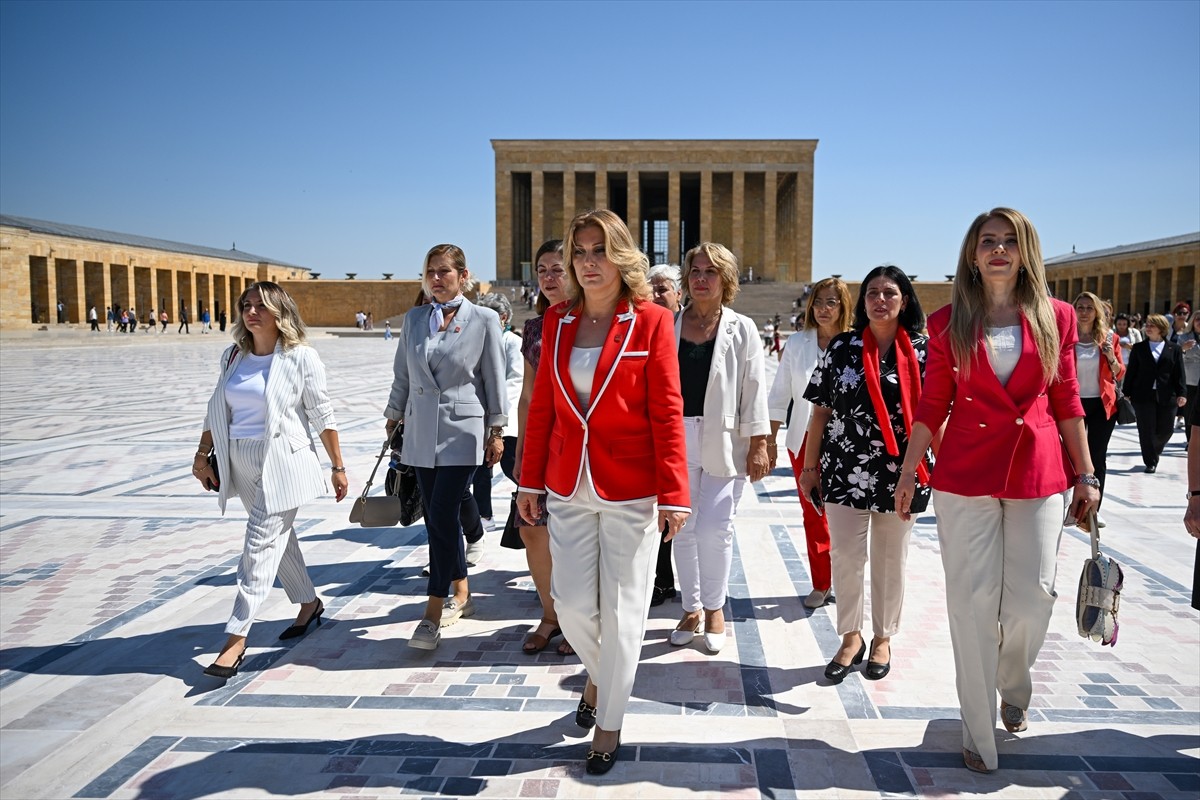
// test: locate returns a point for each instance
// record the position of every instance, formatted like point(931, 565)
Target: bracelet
point(202, 454)
point(1087, 479)
point(337, 469)
point(810, 469)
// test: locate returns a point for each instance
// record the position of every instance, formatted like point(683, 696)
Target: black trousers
point(444, 493)
point(1155, 422)
point(1099, 432)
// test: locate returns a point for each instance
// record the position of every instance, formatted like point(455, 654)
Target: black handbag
point(401, 482)
point(511, 538)
point(1125, 413)
point(212, 464)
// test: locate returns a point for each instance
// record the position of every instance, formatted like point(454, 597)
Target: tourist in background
point(552, 290)
point(665, 285)
point(1127, 335)
point(1155, 385)
point(604, 441)
point(1000, 376)
point(864, 392)
point(449, 391)
point(262, 433)
point(94, 319)
point(827, 314)
point(723, 381)
point(164, 320)
point(1178, 321)
point(1098, 367)
point(1188, 342)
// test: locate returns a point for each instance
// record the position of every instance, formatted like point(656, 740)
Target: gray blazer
point(450, 396)
point(297, 405)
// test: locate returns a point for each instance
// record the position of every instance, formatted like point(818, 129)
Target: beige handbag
point(376, 512)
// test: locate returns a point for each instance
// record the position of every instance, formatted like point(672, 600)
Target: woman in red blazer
point(1000, 375)
point(604, 441)
point(1099, 366)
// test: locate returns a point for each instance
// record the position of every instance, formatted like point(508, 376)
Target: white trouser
point(848, 535)
point(1000, 558)
point(271, 547)
point(704, 547)
point(604, 557)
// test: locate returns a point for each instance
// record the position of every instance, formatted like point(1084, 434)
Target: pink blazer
point(1001, 441)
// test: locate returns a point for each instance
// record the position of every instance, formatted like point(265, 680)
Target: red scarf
point(909, 374)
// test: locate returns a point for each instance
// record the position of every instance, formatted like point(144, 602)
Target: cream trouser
point(704, 547)
point(271, 547)
point(604, 558)
point(1000, 558)
point(848, 538)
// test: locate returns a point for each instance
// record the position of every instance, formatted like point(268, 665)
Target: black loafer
point(600, 763)
point(660, 596)
point(585, 716)
point(837, 673)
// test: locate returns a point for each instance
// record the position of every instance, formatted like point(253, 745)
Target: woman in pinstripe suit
point(270, 398)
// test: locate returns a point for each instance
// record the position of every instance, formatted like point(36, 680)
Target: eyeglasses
point(827, 303)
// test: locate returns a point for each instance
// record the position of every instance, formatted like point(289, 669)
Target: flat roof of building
point(131, 240)
point(1123, 249)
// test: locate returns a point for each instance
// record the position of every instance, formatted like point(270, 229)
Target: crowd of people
point(632, 411)
point(126, 320)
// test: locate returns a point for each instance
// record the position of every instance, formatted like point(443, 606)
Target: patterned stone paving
point(116, 576)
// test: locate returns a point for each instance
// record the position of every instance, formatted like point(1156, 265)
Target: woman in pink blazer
point(1000, 375)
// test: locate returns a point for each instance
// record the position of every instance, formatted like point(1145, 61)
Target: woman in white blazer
point(826, 314)
point(449, 389)
point(269, 399)
point(723, 381)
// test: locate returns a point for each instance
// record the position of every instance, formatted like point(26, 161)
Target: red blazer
point(633, 430)
point(1108, 381)
point(1001, 441)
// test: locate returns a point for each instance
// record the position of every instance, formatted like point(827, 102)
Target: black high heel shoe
point(599, 763)
point(300, 630)
point(217, 671)
point(878, 670)
point(837, 672)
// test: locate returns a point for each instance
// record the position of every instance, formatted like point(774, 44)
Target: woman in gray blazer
point(269, 399)
point(449, 388)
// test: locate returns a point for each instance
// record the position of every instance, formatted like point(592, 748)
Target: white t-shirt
point(1087, 368)
point(246, 396)
point(583, 371)
point(1004, 350)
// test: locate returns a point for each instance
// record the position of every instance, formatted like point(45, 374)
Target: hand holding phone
point(817, 501)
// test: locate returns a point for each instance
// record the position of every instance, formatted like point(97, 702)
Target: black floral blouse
point(856, 470)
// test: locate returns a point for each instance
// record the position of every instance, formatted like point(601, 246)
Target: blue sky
point(353, 136)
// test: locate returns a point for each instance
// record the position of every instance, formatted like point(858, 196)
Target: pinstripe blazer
point(447, 397)
point(297, 406)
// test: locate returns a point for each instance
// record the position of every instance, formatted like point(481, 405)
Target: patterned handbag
point(1099, 596)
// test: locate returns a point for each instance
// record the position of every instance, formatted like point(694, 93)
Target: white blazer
point(735, 398)
point(514, 379)
point(800, 358)
point(297, 405)
point(447, 397)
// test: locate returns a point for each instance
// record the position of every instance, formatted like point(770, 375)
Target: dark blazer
point(1148, 381)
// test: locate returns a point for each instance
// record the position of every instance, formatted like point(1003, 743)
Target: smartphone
point(817, 501)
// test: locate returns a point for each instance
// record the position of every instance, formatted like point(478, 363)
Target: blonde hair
point(457, 258)
point(969, 303)
point(619, 248)
point(842, 291)
point(725, 262)
point(282, 307)
point(1099, 332)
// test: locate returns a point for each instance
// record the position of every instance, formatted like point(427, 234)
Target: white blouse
point(1087, 368)
point(582, 366)
point(1004, 350)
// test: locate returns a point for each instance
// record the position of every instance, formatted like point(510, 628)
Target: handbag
point(1125, 413)
point(511, 538)
point(212, 464)
point(376, 512)
point(401, 482)
point(1099, 597)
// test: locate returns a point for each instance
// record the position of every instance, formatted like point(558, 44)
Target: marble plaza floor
point(116, 576)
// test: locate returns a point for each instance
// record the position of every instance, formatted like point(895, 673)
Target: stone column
point(569, 209)
point(673, 217)
point(153, 290)
point(537, 213)
point(193, 301)
point(634, 207)
point(706, 211)
point(739, 216)
point(802, 270)
point(106, 276)
point(601, 187)
point(770, 265)
point(504, 245)
point(75, 310)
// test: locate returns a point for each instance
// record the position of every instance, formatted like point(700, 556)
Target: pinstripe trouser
point(271, 547)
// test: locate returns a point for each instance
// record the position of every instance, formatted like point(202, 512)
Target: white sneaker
point(489, 523)
point(452, 612)
point(474, 552)
point(426, 636)
point(817, 598)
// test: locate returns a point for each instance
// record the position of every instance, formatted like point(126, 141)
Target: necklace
point(706, 321)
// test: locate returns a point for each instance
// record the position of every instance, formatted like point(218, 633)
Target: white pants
point(271, 547)
point(604, 557)
point(704, 547)
point(848, 538)
point(1000, 558)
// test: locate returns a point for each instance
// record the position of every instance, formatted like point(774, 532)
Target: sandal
point(565, 649)
point(536, 642)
